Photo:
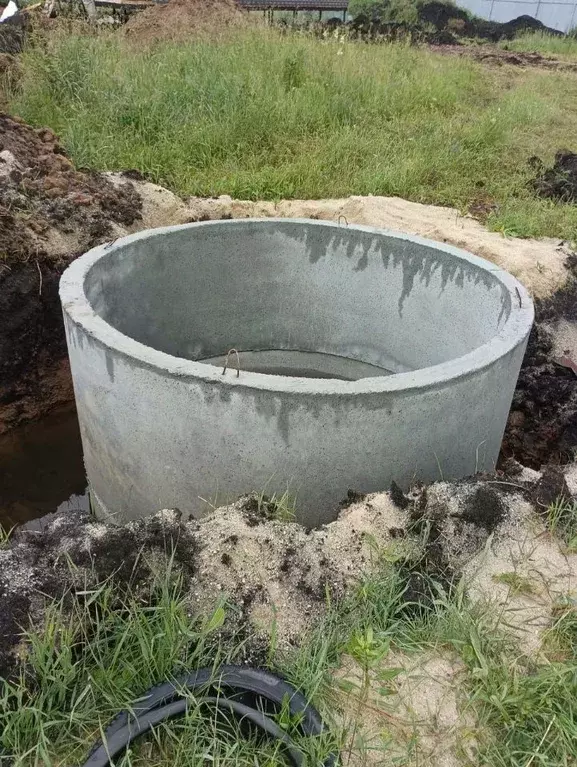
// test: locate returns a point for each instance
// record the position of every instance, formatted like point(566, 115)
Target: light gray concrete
point(161, 429)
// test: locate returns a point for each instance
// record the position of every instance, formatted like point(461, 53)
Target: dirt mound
point(273, 571)
point(45, 202)
point(182, 19)
point(49, 214)
point(279, 576)
point(446, 16)
point(441, 23)
point(560, 181)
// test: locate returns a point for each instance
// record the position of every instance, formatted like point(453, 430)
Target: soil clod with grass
point(560, 181)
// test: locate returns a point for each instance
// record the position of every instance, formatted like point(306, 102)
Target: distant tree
point(401, 11)
point(371, 9)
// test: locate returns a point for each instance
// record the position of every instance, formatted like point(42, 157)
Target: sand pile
point(182, 19)
point(280, 575)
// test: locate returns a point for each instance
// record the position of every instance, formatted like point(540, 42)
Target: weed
point(561, 639)
point(541, 42)
point(281, 508)
point(531, 712)
point(5, 536)
point(562, 520)
point(516, 583)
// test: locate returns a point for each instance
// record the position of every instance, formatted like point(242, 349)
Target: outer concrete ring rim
point(76, 306)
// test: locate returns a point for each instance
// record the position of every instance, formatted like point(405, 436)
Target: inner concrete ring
point(414, 348)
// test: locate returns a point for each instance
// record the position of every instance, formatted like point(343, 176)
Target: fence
point(553, 13)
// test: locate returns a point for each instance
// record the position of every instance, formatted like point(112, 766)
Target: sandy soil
point(421, 712)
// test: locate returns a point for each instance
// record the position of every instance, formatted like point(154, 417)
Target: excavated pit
point(364, 357)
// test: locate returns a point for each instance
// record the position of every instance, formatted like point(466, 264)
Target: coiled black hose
point(242, 691)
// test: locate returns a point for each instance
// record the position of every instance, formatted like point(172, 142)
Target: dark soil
point(353, 496)
point(550, 488)
point(558, 182)
point(492, 55)
point(34, 372)
point(49, 214)
point(484, 508)
point(13, 33)
point(32, 568)
point(398, 497)
point(542, 425)
point(259, 508)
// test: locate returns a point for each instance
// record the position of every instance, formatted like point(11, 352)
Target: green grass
point(98, 650)
point(96, 653)
point(518, 584)
point(531, 712)
point(541, 42)
point(562, 521)
point(258, 115)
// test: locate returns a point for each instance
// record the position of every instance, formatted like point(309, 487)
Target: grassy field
point(540, 42)
point(264, 116)
point(99, 650)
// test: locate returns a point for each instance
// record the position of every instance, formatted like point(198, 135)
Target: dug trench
point(50, 212)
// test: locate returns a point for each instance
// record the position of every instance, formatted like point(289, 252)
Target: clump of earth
point(558, 182)
point(280, 574)
point(50, 212)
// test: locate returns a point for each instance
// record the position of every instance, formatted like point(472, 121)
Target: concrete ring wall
point(160, 428)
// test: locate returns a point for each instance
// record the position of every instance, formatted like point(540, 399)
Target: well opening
point(337, 293)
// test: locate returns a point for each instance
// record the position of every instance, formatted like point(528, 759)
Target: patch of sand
point(538, 264)
point(419, 718)
point(523, 572)
point(279, 572)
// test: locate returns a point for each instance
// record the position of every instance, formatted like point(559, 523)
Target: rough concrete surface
point(142, 313)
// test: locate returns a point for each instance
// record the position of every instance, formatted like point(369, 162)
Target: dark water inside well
point(41, 469)
point(298, 364)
